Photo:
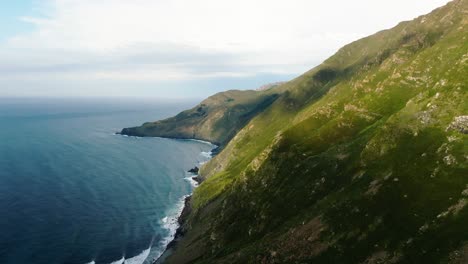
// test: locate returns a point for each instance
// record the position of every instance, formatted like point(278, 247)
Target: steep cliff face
point(363, 159)
point(217, 119)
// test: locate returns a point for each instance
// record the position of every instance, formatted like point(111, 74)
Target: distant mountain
point(217, 119)
point(269, 86)
point(363, 159)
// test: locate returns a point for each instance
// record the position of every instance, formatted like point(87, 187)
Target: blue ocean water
point(71, 191)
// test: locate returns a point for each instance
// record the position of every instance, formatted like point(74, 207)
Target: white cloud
point(163, 40)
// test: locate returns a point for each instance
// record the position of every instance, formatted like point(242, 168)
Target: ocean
point(72, 191)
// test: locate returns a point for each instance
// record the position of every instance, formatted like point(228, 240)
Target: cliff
point(362, 159)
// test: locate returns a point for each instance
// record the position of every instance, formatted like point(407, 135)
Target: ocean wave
point(140, 258)
point(193, 182)
point(171, 224)
point(204, 142)
point(127, 136)
point(207, 154)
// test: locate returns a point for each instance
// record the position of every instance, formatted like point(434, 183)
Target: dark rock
point(194, 170)
point(197, 179)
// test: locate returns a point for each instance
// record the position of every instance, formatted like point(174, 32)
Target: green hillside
point(363, 159)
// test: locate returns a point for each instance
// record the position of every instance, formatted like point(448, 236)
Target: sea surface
point(72, 191)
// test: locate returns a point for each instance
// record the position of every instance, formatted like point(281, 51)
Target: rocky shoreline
point(187, 208)
point(179, 232)
point(181, 220)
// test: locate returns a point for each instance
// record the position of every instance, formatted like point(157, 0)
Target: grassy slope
point(356, 162)
point(217, 119)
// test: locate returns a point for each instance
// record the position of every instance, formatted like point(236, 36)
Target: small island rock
point(194, 170)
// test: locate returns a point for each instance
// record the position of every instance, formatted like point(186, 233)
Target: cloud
point(182, 40)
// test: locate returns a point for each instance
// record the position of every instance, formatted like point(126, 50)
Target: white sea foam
point(204, 142)
point(123, 135)
point(138, 259)
point(193, 182)
point(170, 223)
point(207, 154)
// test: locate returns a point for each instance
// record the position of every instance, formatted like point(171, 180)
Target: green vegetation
point(363, 159)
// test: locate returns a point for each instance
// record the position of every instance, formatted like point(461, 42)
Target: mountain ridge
point(362, 159)
point(216, 119)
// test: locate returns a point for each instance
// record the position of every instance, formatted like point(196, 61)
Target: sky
point(177, 48)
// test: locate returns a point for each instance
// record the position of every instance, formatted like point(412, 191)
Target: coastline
point(216, 145)
point(195, 180)
point(215, 150)
point(181, 219)
point(183, 216)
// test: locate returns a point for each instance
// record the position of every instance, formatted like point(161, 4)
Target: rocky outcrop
point(194, 170)
point(460, 124)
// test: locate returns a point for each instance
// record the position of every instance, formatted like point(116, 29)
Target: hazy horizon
point(177, 49)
